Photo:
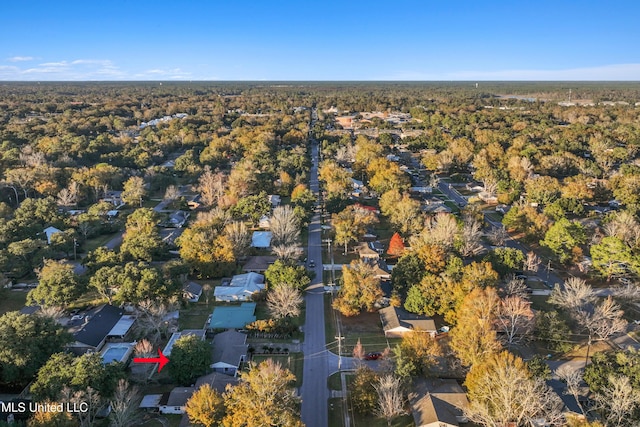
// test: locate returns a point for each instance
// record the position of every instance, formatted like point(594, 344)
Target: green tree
point(263, 397)
point(190, 359)
point(58, 285)
point(252, 208)
point(205, 407)
point(206, 250)
point(141, 240)
point(408, 272)
point(564, 239)
point(283, 273)
point(505, 260)
point(78, 373)
point(553, 331)
point(27, 342)
point(613, 257)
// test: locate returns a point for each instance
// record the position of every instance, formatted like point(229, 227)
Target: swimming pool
point(116, 352)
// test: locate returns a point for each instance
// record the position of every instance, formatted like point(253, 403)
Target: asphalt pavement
point(314, 389)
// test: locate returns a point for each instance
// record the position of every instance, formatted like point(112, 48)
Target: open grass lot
point(90, 298)
point(366, 327)
point(293, 362)
point(12, 300)
point(336, 417)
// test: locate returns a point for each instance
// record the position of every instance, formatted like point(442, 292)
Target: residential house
point(177, 219)
point(396, 322)
point(192, 291)
point(50, 231)
point(229, 351)
point(261, 239)
point(175, 401)
point(438, 403)
point(233, 317)
point(275, 200)
point(98, 326)
point(241, 288)
point(113, 197)
point(377, 246)
point(258, 264)
point(381, 271)
point(367, 254)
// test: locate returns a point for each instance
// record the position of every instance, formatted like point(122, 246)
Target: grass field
point(96, 242)
point(366, 327)
point(12, 300)
point(293, 362)
point(334, 382)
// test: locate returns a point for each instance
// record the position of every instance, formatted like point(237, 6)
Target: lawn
point(88, 299)
point(12, 300)
point(293, 362)
point(95, 242)
point(195, 315)
point(336, 414)
point(366, 327)
point(334, 382)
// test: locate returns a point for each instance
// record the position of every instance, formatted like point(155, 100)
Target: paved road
point(314, 390)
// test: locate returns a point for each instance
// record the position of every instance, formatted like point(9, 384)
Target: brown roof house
point(396, 322)
point(438, 403)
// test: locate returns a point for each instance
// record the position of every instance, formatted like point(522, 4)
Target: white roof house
point(241, 288)
point(261, 239)
point(50, 231)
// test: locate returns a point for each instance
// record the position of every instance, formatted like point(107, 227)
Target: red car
point(373, 356)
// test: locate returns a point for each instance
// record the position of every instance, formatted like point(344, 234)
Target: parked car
point(373, 356)
point(312, 263)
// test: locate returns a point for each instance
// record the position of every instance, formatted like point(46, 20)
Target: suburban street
point(314, 390)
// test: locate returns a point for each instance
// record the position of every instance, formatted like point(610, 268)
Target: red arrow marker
point(162, 360)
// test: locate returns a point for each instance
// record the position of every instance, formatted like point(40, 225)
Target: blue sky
point(319, 40)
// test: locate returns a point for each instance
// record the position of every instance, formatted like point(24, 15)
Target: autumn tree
point(124, 405)
point(515, 320)
point(390, 397)
point(284, 226)
point(396, 245)
point(474, 337)
point(360, 289)
point(239, 236)
point(207, 250)
point(403, 211)
point(212, 186)
point(134, 191)
point(416, 355)
point(618, 402)
point(263, 397)
point(284, 301)
point(351, 224)
point(501, 390)
point(362, 391)
point(205, 407)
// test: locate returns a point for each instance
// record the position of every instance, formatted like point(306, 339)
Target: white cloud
point(20, 58)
